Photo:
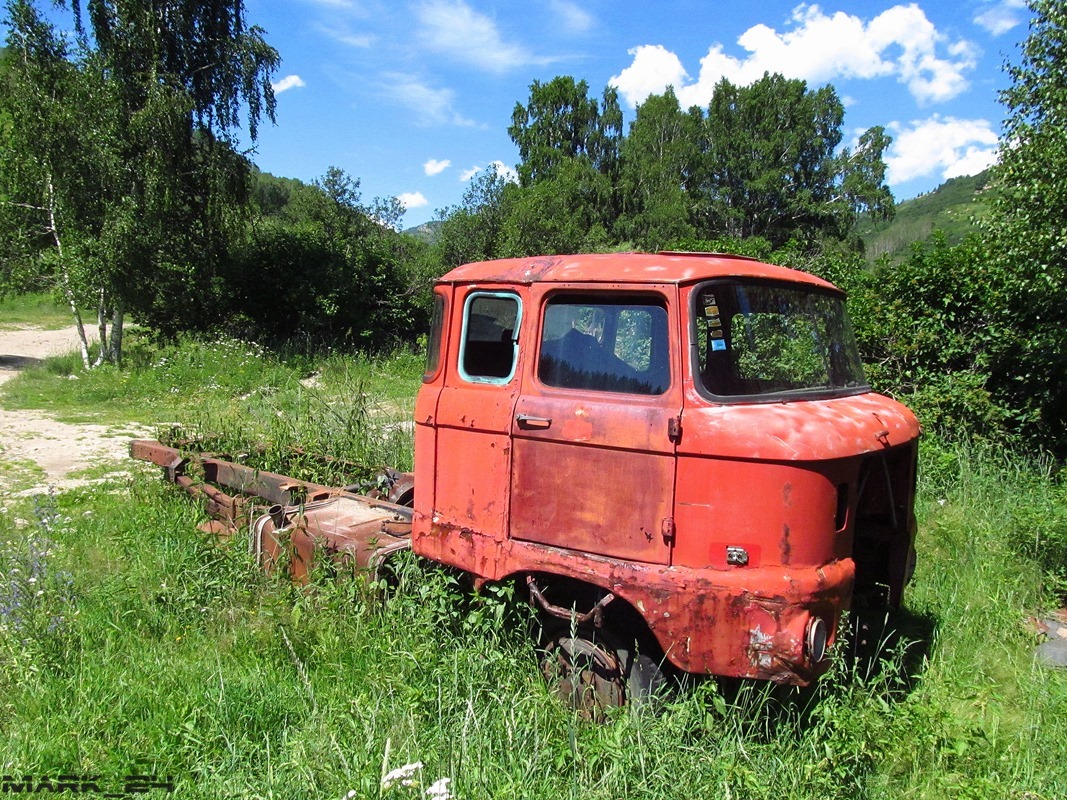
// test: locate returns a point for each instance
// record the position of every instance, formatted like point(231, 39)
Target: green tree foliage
point(54, 176)
point(184, 74)
point(659, 157)
point(1028, 239)
point(141, 170)
point(560, 122)
point(324, 267)
point(569, 150)
point(761, 161)
point(474, 230)
point(770, 166)
point(928, 331)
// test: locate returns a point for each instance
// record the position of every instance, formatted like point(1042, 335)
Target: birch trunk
point(64, 275)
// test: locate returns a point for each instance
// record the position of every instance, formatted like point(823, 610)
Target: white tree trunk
point(64, 276)
point(118, 316)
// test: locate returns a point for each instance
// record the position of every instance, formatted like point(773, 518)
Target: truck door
point(474, 414)
point(593, 435)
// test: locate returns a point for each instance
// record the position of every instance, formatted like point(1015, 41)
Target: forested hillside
point(955, 208)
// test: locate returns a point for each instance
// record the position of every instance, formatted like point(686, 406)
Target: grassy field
point(132, 644)
point(39, 309)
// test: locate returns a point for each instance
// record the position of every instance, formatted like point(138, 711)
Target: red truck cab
point(677, 453)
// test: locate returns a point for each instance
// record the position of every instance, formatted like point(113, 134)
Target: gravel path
point(58, 448)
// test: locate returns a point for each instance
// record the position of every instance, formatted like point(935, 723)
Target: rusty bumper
point(772, 623)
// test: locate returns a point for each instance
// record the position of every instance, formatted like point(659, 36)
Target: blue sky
point(414, 96)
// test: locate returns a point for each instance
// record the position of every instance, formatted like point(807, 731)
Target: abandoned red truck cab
point(676, 453)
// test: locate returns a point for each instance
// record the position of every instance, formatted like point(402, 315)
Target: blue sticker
point(718, 344)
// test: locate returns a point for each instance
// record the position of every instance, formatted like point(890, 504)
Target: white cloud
point(899, 42)
point(434, 106)
point(288, 82)
point(453, 28)
point(342, 33)
point(572, 18)
point(435, 167)
point(501, 169)
point(410, 200)
point(1001, 16)
point(654, 68)
point(944, 145)
point(504, 171)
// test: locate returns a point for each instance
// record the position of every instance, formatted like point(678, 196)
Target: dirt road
point(59, 449)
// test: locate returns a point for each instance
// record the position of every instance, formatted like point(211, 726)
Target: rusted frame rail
point(246, 481)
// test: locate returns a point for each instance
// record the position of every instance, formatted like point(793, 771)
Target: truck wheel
point(591, 672)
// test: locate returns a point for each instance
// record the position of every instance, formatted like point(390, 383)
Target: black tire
point(591, 672)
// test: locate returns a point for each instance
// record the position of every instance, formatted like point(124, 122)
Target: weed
point(36, 597)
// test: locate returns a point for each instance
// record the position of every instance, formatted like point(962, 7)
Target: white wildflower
point(401, 774)
point(438, 790)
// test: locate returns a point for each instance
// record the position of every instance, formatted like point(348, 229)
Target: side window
point(605, 344)
point(490, 337)
point(433, 346)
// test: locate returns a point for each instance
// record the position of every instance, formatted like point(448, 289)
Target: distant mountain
point(427, 231)
point(952, 208)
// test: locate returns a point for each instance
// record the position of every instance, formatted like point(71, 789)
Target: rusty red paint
point(646, 496)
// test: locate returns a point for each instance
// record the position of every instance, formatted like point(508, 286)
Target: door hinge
point(674, 429)
point(667, 529)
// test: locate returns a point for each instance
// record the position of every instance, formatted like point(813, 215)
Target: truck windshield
point(761, 338)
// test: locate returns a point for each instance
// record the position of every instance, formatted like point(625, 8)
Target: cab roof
point(666, 267)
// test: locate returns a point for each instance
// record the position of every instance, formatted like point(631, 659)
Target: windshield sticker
point(718, 344)
point(715, 334)
point(711, 311)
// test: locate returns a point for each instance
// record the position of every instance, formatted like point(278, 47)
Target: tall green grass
point(150, 640)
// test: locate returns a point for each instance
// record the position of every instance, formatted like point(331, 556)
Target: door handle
point(526, 421)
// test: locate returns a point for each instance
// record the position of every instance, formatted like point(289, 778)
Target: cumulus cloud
point(501, 169)
point(286, 83)
point(1001, 16)
point(654, 68)
point(454, 29)
point(436, 167)
point(940, 145)
point(433, 106)
point(572, 18)
point(504, 171)
point(900, 42)
point(410, 200)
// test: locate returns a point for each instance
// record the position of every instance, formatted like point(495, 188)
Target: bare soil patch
point(59, 449)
